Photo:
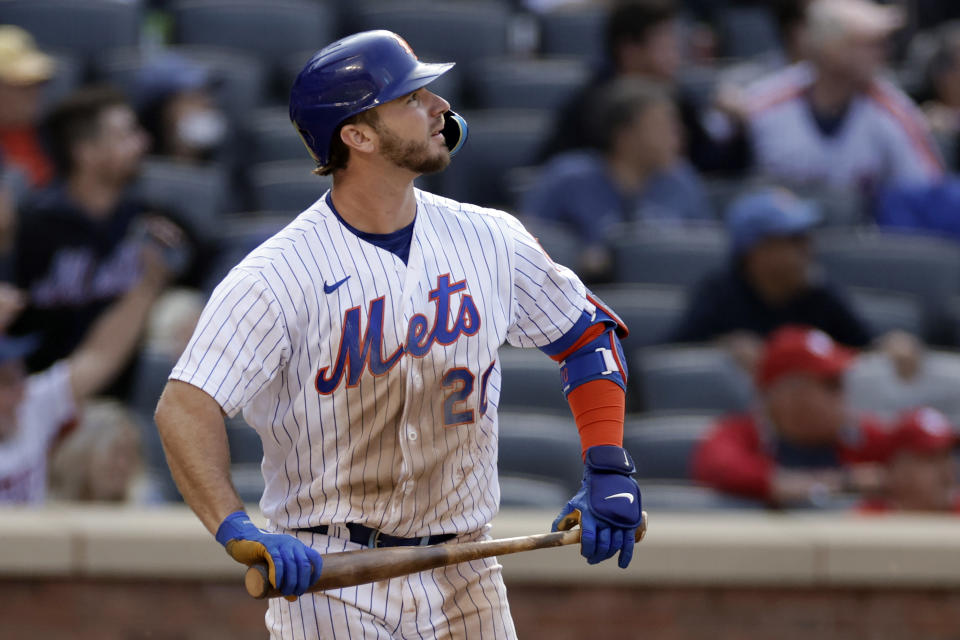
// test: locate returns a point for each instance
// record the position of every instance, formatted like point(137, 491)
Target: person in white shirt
point(832, 121)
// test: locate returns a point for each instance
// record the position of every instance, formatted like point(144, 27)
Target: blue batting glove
point(293, 565)
point(608, 506)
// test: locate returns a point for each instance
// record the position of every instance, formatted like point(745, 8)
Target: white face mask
point(203, 130)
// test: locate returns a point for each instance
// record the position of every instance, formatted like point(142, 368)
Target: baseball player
point(361, 343)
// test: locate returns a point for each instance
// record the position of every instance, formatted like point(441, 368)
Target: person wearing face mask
point(176, 107)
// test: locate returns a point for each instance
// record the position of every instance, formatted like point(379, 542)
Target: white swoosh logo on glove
point(628, 496)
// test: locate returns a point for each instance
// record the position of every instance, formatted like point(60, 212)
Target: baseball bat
point(351, 568)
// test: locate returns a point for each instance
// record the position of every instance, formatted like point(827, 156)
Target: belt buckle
point(374, 541)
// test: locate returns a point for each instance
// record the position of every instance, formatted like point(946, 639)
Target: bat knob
point(642, 528)
point(257, 581)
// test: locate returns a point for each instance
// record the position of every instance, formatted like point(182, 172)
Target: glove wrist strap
point(610, 459)
point(229, 529)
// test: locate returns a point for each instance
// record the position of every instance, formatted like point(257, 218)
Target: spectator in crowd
point(921, 471)
point(23, 71)
point(174, 318)
point(771, 281)
point(920, 467)
point(832, 121)
point(643, 41)
point(801, 446)
point(8, 225)
point(78, 241)
point(637, 175)
point(941, 104)
point(100, 459)
point(36, 409)
point(177, 109)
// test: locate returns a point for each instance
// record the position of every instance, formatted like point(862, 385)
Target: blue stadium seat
point(574, 31)
point(747, 31)
point(198, 194)
point(286, 185)
point(540, 446)
point(240, 78)
point(500, 140)
point(673, 255)
point(558, 240)
point(272, 137)
point(884, 311)
point(530, 381)
point(461, 32)
point(521, 491)
point(83, 29)
point(650, 311)
point(663, 444)
point(528, 83)
point(682, 378)
point(271, 30)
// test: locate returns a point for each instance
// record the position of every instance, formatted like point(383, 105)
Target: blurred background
point(766, 192)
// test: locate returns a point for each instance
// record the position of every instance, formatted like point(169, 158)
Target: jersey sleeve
point(239, 344)
point(547, 298)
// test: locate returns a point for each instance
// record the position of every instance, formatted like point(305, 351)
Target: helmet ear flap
point(454, 131)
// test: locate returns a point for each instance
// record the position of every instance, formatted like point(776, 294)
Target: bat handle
point(257, 580)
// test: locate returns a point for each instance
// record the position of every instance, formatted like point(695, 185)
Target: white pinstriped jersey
point(882, 139)
point(374, 384)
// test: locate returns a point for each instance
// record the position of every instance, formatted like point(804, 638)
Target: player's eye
point(414, 96)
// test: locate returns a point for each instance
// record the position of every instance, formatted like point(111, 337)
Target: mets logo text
point(357, 353)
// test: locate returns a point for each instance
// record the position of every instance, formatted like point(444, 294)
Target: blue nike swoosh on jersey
point(330, 288)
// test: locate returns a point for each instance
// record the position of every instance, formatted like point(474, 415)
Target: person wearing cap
point(78, 239)
point(771, 281)
point(637, 175)
point(921, 469)
point(832, 120)
point(177, 109)
point(800, 446)
point(23, 71)
point(35, 409)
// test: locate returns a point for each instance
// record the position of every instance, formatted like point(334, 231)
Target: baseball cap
point(798, 349)
point(861, 17)
point(166, 75)
point(768, 213)
point(21, 63)
point(14, 348)
point(923, 430)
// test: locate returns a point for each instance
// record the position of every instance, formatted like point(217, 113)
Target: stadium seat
point(528, 84)
point(662, 445)
point(197, 194)
point(558, 240)
point(67, 77)
point(244, 442)
point(574, 31)
point(673, 255)
point(684, 497)
point(248, 481)
point(524, 492)
point(530, 381)
point(747, 31)
point(874, 387)
point(650, 311)
point(83, 29)
point(243, 233)
point(500, 140)
point(540, 446)
point(287, 185)
point(272, 30)
point(461, 32)
point(684, 378)
point(885, 311)
point(272, 137)
point(239, 78)
point(149, 379)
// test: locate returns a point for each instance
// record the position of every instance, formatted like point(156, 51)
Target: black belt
point(360, 534)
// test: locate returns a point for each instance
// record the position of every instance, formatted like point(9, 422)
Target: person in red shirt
point(801, 446)
point(23, 71)
point(921, 470)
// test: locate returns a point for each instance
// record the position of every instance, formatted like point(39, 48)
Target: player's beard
point(418, 157)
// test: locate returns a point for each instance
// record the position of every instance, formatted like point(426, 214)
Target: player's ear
point(358, 136)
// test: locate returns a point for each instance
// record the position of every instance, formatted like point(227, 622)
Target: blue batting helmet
point(358, 73)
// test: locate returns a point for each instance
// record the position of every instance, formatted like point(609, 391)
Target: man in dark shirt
point(772, 282)
point(77, 242)
point(643, 42)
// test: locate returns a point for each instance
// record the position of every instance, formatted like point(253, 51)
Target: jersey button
point(412, 435)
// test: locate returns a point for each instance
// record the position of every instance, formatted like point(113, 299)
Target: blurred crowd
point(772, 183)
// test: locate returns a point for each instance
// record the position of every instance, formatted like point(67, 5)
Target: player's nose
point(440, 105)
